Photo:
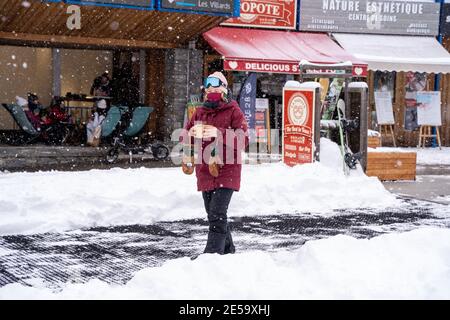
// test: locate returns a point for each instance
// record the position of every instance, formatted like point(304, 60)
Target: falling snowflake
point(13, 57)
point(24, 65)
point(26, 4)
point(170, 28)
point(114, 25)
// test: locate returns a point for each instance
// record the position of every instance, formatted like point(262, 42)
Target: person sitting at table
point(57, 111)
point(101, 87)
point(94, 126)
point(33, 109)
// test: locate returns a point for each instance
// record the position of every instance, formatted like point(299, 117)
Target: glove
point(209, 131)
point(214, 164)
point(187, 163)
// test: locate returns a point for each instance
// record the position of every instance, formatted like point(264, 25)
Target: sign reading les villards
point(211, 6)
point(364, 16)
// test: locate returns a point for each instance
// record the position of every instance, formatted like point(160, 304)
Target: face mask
point(214, 97)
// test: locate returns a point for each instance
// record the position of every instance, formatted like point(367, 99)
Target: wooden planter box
point(392, 165)
point(373, 142)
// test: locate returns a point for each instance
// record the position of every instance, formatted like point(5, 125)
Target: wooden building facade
point(160, 46)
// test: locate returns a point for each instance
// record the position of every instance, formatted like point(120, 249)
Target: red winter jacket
point(228, 118)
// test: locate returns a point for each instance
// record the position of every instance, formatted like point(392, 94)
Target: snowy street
point(115, 254)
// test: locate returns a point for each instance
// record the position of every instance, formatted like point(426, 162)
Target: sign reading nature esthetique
point(274, 14)
point(445, 19)
point(363, 16)
point(208, 6)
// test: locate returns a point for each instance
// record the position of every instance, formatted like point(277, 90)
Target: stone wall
point(183, 78)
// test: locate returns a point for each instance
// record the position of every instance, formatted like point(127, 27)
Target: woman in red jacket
point(220, 129)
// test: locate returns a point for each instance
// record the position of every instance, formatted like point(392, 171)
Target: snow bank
point(58, 201)
point(412, 265)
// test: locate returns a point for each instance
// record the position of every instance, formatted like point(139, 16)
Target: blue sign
point(247, 99)
point(132, 4)
point(228, 8)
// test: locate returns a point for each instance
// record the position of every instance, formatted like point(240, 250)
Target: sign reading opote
point(209, 6)
point(298, 125)
point(273, 14)
point(364, 16)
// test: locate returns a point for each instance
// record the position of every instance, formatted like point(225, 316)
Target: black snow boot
point(229, 245)
point(216, 242)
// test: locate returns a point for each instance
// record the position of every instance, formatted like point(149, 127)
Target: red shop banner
point(274, 14)
point(262, 66)
point(298, 126)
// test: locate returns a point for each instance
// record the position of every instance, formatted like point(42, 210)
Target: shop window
point(414, 82)
point(384, 82)
point(79, 68)
point(23, 70)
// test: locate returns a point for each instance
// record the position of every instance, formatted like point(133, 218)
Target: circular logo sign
point(298, 110)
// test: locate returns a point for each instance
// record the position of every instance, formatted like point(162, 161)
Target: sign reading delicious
point(298, 125)
point(274, 14)
point(262, 66)
point(363, 16)
point(212, 6)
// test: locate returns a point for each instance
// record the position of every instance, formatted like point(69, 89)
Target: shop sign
point(136, 4)
point(262, 66)
point(298, 125)
point(364, 16)
point(343, 70)
point(445, 19)
point(273, 14)
point(215, 7)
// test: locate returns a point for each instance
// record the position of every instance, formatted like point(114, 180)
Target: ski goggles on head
point(213, 82)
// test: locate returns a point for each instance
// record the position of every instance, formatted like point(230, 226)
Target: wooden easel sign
point(429, 115)
point(385, 113)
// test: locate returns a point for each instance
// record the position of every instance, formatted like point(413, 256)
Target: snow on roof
point(360, 84)
point(397, 53)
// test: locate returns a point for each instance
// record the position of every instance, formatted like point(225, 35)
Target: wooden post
point(269, 142)
point(389, 131)
point(426, 132)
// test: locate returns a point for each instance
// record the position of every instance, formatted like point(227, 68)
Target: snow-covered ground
point(410, 265)
point(59, 201)
point(425, 156)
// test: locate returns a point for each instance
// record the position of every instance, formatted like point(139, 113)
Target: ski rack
point(310, 70)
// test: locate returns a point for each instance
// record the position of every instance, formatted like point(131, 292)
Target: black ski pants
point(219, 235)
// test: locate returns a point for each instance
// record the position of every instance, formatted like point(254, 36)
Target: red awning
point(277, 51)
